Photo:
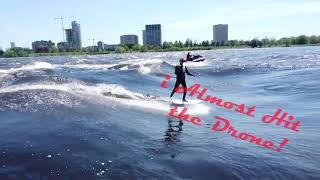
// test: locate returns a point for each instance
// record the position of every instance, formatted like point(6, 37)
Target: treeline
point(265, 42)
point(16, 52)
point(26, 52)
point(189, 44)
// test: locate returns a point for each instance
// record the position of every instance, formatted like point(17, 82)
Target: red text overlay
point(280, 118)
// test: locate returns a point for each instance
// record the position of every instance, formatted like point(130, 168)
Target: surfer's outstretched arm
point(188, 72)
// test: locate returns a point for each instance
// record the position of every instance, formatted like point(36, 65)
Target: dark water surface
point(105, 117)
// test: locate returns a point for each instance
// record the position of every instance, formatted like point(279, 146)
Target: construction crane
point(62, 26)
point(93, 43)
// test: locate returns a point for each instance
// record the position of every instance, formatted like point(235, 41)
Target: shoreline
point(151, 51)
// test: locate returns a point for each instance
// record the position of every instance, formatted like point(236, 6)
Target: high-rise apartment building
point(220, 33)
point(73, 36)
point(152, 35)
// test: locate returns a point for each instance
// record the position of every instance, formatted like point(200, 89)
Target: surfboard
point(190, 102)
point(178, 102)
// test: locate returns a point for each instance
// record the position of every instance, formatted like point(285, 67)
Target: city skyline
point(180, 20)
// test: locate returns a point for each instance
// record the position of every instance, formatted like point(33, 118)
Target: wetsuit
point(181, 79)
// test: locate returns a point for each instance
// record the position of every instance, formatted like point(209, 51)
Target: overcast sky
point(25, 21)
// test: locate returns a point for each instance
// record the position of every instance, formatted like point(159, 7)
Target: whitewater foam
point(88, 66)
point(109, 92)
point(29, 67)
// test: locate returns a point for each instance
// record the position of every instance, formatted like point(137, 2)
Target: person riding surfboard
point(180, 71)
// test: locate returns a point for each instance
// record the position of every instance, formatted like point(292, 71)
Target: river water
point(106, 116)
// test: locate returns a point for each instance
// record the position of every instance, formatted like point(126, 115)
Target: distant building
point(110, 47)
point(100, 45)
point(92, 48)
point(73, 36)
point(42, 46)
point(152, 35)
point(63, 46)
point(129, 39)
point(220, 33)
point(144, 37)
point(12, 45)
point(69, 37)
point(77, 34)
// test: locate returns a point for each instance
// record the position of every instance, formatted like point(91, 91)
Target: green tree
point(149, 47)
point(303, 39)
point(313, 39)
point(188, 43)
point(242, 43)
point(84, 50)
point(178, 44)
point(205, 44)
point(225, 43)
point(273, 42)
point(233, 43)
point(10, 53)
point(54, 49)
point(292, 40)
point(255, 43)
point(196, 44)
point(167, 45)
point(143, 49)
point(120, 49)
point(125, 46)
point(285, 41)
point(136, 47)
point(157, 48)
point(265, 42)
point(1, 52)
point(17, 52)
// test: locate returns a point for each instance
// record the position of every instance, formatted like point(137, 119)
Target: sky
point(25, 21)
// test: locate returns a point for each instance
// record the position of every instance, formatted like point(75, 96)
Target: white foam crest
point(144, 70)
point(101, 91)
point(88, 66)
point(124, 68)
point(24, 87)
point(142, 65)
point(114, 89)
point(106, 92)
point(135, 63)
point(142, 62)
point(33, 66)
point(199, 109)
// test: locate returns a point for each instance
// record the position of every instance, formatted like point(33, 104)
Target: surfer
point(180, 71)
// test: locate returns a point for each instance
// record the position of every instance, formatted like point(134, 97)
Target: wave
point(29, 67)
point(142, 66)
point(88, 66)
point(137, 62)
point(107, 92)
